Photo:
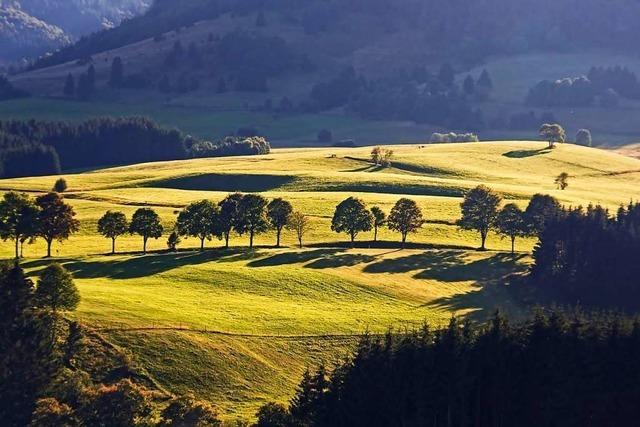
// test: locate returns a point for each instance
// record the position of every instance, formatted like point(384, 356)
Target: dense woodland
point(567, 369)
point(29, 148)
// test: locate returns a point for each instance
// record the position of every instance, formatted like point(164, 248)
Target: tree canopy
point(352, 217)
point(480, 211)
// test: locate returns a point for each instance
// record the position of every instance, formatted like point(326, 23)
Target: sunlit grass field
point(239, 327)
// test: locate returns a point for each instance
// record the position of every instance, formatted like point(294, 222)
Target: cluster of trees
point(603, 86)
point(24, 219)
point(42, 381)
point(453, 137)
point(588, 256)
point(230, 146)
point(553, 369)
point(481, 212)
point(571, 92)
point(85, 86)
point(352, 217)
point(419, 96)
point(29, 148)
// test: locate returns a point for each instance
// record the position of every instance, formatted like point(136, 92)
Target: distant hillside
point(29, 28)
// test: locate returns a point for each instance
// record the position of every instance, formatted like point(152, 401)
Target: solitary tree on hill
point(405, 218)
point(562, 181)
point(552, 133)
point(511, 223)
point(56, 219)
point(352, 217)
point(278, 212)
point(60, 186)
point(480, 211)
point(113, 225)
point(18, 218)
point(379, 220)
point(200, 220)
point(146, 223)
point(583, 137)
point(252, 216)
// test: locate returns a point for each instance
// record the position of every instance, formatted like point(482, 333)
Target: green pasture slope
point(239, 327)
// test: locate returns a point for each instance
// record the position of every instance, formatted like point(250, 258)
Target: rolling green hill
point(239, 327)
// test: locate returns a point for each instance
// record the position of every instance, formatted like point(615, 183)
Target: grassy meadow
point(239, 327)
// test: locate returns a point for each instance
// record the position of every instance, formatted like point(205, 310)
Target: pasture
point(239, 327)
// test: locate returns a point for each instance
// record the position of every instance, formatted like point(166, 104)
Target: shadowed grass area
point(226, 182)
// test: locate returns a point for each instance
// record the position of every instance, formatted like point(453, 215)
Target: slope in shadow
point(226, 182)
point(522, 154)
point(317, 259)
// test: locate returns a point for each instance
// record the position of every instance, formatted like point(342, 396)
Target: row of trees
point(556, 368)
point(252, 214)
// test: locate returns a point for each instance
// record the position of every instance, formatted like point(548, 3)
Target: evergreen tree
point(541, 209)
point(116, 76)
point(56, 290)
point(469, 86)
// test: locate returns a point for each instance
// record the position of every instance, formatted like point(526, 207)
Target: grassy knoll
point(238, 328)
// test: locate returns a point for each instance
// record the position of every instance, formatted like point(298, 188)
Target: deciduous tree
point(146, 223)
point(56, 219)
point(200, 220)
point(480, 211)
point(510, 223)
point(299, 223)
point(379, 220)
point(228, 215)
point(552, 133)
point(405, 218)
point(18, 218)
point(279, 212)
point(252, 216)
point(352, 217)
point(113, 225)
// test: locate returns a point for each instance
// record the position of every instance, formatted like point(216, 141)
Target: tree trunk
point(113, 246)
point(17, 248)
point(278, 237)
point(251, 239)
point(300, 241)
point(404, 239)
point(375, 234)
point(144, 245)
point(226, 240)
point(513, 245)
point(483, 235)
point(49, 242)
point(202, 244)
point(353, 240)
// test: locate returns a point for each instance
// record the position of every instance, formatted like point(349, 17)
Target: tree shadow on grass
point(136, 266)
point(317, 259)
point(492, 276)
point(521, 154)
